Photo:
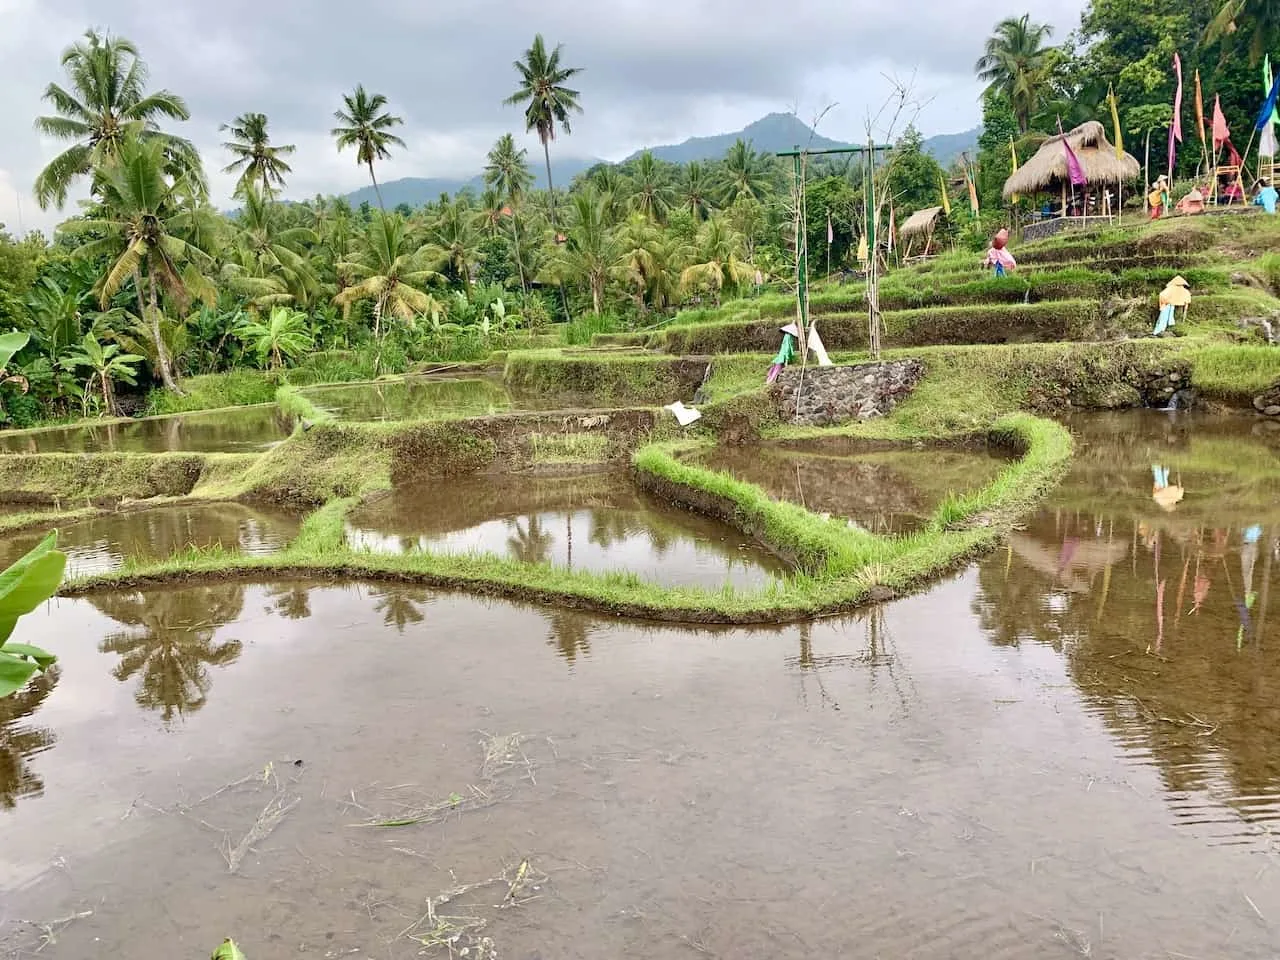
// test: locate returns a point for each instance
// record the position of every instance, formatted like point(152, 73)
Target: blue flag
point(1269, 107)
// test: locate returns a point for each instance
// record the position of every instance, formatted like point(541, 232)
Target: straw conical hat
point(791, 328)
point(1179, 281)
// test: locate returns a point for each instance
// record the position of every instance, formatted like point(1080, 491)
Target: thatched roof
point(1047, 170)
point(922, 221)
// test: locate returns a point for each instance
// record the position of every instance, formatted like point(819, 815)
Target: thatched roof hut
point(1047, 170)
point(922, 222)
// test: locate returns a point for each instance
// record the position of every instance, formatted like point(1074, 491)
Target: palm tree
point(589, 253)
point(107, 98)
point(257, 160)
point(284, 335)
point(695, 190)
point(542, 87)
point(452, 241)
point(1261, 17)
point(507, 172)
point(716, 260)
point(649, 193)
point(1015, 63)
point(639, 255)
point(106, 365)
point(269, 250)
point(141, 226)
point(742, 173)
point(388, 271)
point(365, 125)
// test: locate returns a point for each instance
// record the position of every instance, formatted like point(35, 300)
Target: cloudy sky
point(655, 71)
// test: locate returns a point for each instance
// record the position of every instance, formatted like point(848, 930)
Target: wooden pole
point(1146, 177)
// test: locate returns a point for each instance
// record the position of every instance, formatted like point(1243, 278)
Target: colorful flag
point(1267, 141)
point(1074, 170)
point(1175, 128)
point(1013, 153)
point(1267, 80)
point(892, 228)
point(946, 200)
point(862, 249)
point(973, 192)
point(1221, 132)
point(1115, 122)
point(831, 237)
point(1199, 109)
point(1268, 107)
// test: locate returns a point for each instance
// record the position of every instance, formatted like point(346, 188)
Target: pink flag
point(1221, 132)
point(1074, 170)
point(1175, 128)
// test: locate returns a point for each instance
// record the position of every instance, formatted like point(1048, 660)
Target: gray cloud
point(652, 72)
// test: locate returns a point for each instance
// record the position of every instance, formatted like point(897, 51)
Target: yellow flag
point(946, 201)
point(1115, 122)
point(862, 248)
point(973, 193)
point(1013, 152)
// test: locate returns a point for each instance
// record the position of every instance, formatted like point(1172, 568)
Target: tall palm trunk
point(376, 189)
point(551, 192)
point(151, 317)
point(515, 236)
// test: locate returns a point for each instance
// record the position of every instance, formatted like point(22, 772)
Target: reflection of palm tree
point(610, 526)
point(531, 544)
point(19, 742)
point(399, 605)
point(172, 642)
point(290, 600)
point(570, 633)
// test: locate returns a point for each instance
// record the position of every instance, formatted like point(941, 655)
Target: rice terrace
point(814, 540)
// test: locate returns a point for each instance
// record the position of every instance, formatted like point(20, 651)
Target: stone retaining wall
point(833, 395)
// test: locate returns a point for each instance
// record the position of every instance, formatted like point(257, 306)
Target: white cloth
point(815, 344)
point(684, 415)
point(1267, 142)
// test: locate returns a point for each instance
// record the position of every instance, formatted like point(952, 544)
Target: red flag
point(1220, 129)
point(1175, 128)
point(1074, 170)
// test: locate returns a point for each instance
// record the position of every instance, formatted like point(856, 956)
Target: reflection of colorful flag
point(1221, 132)
point(946, 200)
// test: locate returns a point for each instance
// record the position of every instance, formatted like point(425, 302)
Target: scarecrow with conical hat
point(1176, 294)
point(790, 337)
point(1158, 198)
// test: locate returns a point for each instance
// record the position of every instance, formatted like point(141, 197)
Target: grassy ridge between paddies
point(839, 567)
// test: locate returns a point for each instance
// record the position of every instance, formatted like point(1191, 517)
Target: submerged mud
point(239, 430)
point(596, 522)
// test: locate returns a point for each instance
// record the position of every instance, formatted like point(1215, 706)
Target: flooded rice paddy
point(103, 543)
point(423, 398)
point(239, 430)
point(598, 522)
point(1067, 749)
point(886, 492)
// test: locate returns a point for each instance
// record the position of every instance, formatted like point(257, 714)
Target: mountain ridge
point(772, 133)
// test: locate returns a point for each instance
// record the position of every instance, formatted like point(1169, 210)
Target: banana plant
point(24, 586)
point(10, 344)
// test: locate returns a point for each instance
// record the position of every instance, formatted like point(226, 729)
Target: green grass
point(563, 448)
point(233, 389)
point(1234, 372)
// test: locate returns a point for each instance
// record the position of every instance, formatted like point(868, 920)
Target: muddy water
point(1049, 754)
point(598, 522)
point(105, 542)
point(887, 492)
point(423, 398)
point(243, 430)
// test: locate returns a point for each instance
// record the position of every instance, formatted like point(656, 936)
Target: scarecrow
point(1176, 294)
point(998, 256)
point(1267, 196)
point(1158, 198)
point(1192, 203)
point(790, 337)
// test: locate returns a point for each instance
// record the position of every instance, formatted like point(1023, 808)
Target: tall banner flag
point(1115, 122)
point(893, 229)
point(1268, 107)
point(1199, 109)
point(946, 200)
point(1074, 170)
point(1013, 153)
point(973, 192)
point(1221, 132)
point(1175, 128)
point(830, 233)
point(1267, 81)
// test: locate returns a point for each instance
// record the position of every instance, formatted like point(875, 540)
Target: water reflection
point(886, 492)
point(1160, 605)
point(569, 632)
point(242, 430)
point(420, 398)
point(400, 606)
point(290, 600)
point(169, 644)
point(599, 522)
point(20, 741)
